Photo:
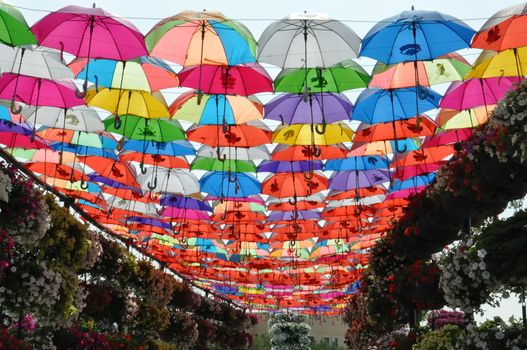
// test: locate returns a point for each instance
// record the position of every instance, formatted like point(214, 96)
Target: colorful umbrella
point(294, 184)
point(223, 184)
point(216, 109)
point(80, 118)
point(303, 134)
point(449, 119)
point(508, 63)
point(399, 129)
point(142, 73)
point(163, 180)
point(355, 179)
point(139, 128)
point(205, 37)
point(248, 135)
point(39, 63)
point(214, 164)
point(239, 153)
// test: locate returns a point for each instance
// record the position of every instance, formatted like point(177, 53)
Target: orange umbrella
point(359, 192)
point(427, 155)
point(234, 136)
point(399, 129)
point(59, 171)
point(155, 159)
point(293, 153)
point(118, 171)
point(294, 185)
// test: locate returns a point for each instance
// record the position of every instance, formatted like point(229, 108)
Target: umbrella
point(244, 80)
point(78, 118)
point(214, 164)
point(307, 40)
point(216, 109)
point(123, 102)
point(91, 33)
point(477, 92)
point(423, 156)
point(39, 63)
point(248, 135)
point(60, 171)
point(80, 138)
point(376, 105)
point(399, 129)
point(139, 128)
point(274, 166)
point(293, 215)
point(490, 64)
point(239, 153)
point(449, 119)
point(171, 200)
point(14, 30)
point(415, 36)
point(205, 37)
point(223, 184)
point(294, 184)
point(346, 75)
point(155, 159)
point(174, 148)
point(38, 91)
point(163, 180)
point(318, 109)
point(292, 153)
point(444, 69)
point(142, 73)
point(504, 30)
point(14, 140)
point(112, 169)
point(354, 179)
point(357, 163)
point(447, 137)
point(302, 134)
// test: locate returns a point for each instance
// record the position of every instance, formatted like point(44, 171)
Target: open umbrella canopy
point(235, 136)
point(139, 128)
point(142, 73)
point(304, 134)
point(294, 184)
point(346, 75)
point(317, 109)
point(216, 109)
point(214, 164)
point(224, 184)
point(399, 129)
point(14, 30)
point(163, 180)
point(415, 36)
point(492, 64)
point(205, 37)
point(80, 118)
point(124, 102)
point(307, 40)
point(90, 32)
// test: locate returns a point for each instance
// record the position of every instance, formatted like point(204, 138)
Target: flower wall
point(63, 286)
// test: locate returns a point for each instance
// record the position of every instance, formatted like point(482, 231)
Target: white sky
point(257, 15)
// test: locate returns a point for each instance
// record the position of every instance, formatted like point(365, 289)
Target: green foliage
point(444, 338)
point(261, 342)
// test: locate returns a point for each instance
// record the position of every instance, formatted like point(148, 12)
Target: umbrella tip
point(93, 5)
point(413, 8)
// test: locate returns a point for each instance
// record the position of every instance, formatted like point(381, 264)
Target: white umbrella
point(307, 40)
point(39, 62)
point(238, 153)
point(164, 180)
point(148, 209)
point(79, 118)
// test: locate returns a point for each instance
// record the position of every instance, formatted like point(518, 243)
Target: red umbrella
point(399, 129)
point(234, 136)
point(294, 185)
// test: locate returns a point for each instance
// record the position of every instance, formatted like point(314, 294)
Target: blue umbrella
point(4, 114)
point(415, 36)
point(84, 150)
point(376, 105)
point(148, 221)
point(172, 200)
point(358, 163)
point(175, 148)
point(224, 184)
point(416, 181)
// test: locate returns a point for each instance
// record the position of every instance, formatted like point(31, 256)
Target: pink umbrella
point(246, 79)
point(447, 138)
point(90, 32)
point(38, 92)
point(406, 172)
point(14, 140)
point(183, 213)
point(477, 92)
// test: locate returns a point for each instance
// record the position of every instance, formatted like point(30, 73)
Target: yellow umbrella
point(305, 134)
point(449, 119)
point(124, 102)
point(508, 63)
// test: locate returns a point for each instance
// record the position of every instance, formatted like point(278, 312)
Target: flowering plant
point(493, 334)
point(398, 339)
point(440, 318)
point(465, 281)
point(289, 332)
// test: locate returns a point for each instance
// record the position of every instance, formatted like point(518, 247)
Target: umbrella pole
point(200, 92)
point(416, 73)
point(16, 109)
point(397, 149)
point(82, 94)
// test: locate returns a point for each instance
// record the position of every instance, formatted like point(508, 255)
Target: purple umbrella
point(292, 215)
point(347, 180)
point(275, 166)
point(149, 222)
point(184, 202)
point(321, 108)
point(23, 129)
point(94, 177)
point(183, 213)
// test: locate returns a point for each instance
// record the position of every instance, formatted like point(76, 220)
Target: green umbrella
point(14, 30)
point(344, 76)
point(214, 164)
point(138, 128)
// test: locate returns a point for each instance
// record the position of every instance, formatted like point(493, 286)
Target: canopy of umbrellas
point(275, 205)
